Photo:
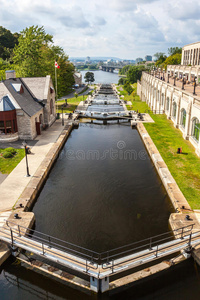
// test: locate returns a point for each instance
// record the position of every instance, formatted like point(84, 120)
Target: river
point(102, 76)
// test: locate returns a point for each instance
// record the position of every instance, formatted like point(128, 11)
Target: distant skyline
point(126, 29)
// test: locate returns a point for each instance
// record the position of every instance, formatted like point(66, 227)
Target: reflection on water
point(179, 282)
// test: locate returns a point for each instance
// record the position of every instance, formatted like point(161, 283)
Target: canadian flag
point(57, 65)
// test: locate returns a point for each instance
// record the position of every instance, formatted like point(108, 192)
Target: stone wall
point(162, 97)
point(49, 96)
point(26, 125)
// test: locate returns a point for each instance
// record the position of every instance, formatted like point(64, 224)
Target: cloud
point(184, 10)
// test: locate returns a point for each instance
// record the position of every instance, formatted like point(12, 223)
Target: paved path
point(12, 187)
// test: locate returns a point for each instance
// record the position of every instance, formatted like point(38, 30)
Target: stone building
point(182, 107)
point(27, 106)
point(78, 79)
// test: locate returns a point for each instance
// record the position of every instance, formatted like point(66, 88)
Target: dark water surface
point(103, 192)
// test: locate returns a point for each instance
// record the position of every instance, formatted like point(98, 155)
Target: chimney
point(10, 74)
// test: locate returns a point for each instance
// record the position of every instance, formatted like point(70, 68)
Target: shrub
point(7, 154)
point(11, 150)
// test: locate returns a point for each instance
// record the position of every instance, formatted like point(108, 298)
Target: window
point(174, 110)
point(195, 129)
point(183, 118)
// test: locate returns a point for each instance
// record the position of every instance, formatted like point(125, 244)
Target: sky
point(126, 29)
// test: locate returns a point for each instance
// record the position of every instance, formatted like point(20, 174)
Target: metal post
point(42, 248)
point(194, 85)
point(174, 80)
point(62, 117)
point(19, 230)
point(168, 78)
point(49, 242)
point(27, 168)
point(112, 265)
point(107, 257)
point(150, 247)
point(183, 82)
point(157, 251)
point(11, 233)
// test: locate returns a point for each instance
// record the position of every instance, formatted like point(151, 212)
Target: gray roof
point(26, 100)
point(37, 86)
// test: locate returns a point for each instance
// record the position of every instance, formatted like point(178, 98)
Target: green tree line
point(32, 53)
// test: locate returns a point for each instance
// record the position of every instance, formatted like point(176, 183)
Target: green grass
point(8, 164)
point(72, 104)
point(185, 168)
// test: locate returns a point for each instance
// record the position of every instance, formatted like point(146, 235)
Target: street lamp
point(175, 78)
point(183, 82)
point(195, 77)
point(159, 73)
point(168, 76)
point(163, 74)
point(26, 151)
point(62, 117)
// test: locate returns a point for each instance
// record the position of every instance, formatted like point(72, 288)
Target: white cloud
point(127, 29)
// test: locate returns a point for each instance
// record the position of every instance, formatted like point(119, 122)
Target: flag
point(57, 65)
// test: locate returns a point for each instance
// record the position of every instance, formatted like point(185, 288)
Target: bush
point(7, 154)
point(11, 150)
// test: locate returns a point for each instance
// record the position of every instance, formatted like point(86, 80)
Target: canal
point(103, 192)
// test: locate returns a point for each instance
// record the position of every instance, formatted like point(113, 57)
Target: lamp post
point(163, 74)
point(62, 117)
point(168, 76)
point(175, 79)
point(159, 73)
point(195, 77)
point(183, 82)
point(26, 150)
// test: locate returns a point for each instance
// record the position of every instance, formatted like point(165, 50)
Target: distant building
point(139, 59)
point(87, 61)
point(148, 58)
point(191, 54)
point(78, 79)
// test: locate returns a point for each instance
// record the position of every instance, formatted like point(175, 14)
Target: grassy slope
point(185, 168)
point(72, 104)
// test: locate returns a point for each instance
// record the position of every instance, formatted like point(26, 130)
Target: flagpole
point(56, 88)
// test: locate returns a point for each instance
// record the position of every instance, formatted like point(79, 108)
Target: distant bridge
point(109, 68)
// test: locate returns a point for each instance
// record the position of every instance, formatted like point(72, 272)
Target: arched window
point(174, 110)
point(162, 99)
point(183, 117)
point(195, 129)
point(167, 105)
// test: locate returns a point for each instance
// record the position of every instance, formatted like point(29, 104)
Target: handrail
point(107, 259)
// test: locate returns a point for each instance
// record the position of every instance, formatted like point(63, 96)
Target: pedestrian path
point(12, 187)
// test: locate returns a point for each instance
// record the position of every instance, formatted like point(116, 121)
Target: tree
point(28, 53)
point(174, 50)
point(35, 56)
point(128, 88)
point(7, 43)
point(134, 73)
point(159, 55)
point(89, 77)
point(173, 60)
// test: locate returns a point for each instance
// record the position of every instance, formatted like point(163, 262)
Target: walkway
point(188, 87)
point(12, 187)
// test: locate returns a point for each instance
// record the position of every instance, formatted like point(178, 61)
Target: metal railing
point(149, 248)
